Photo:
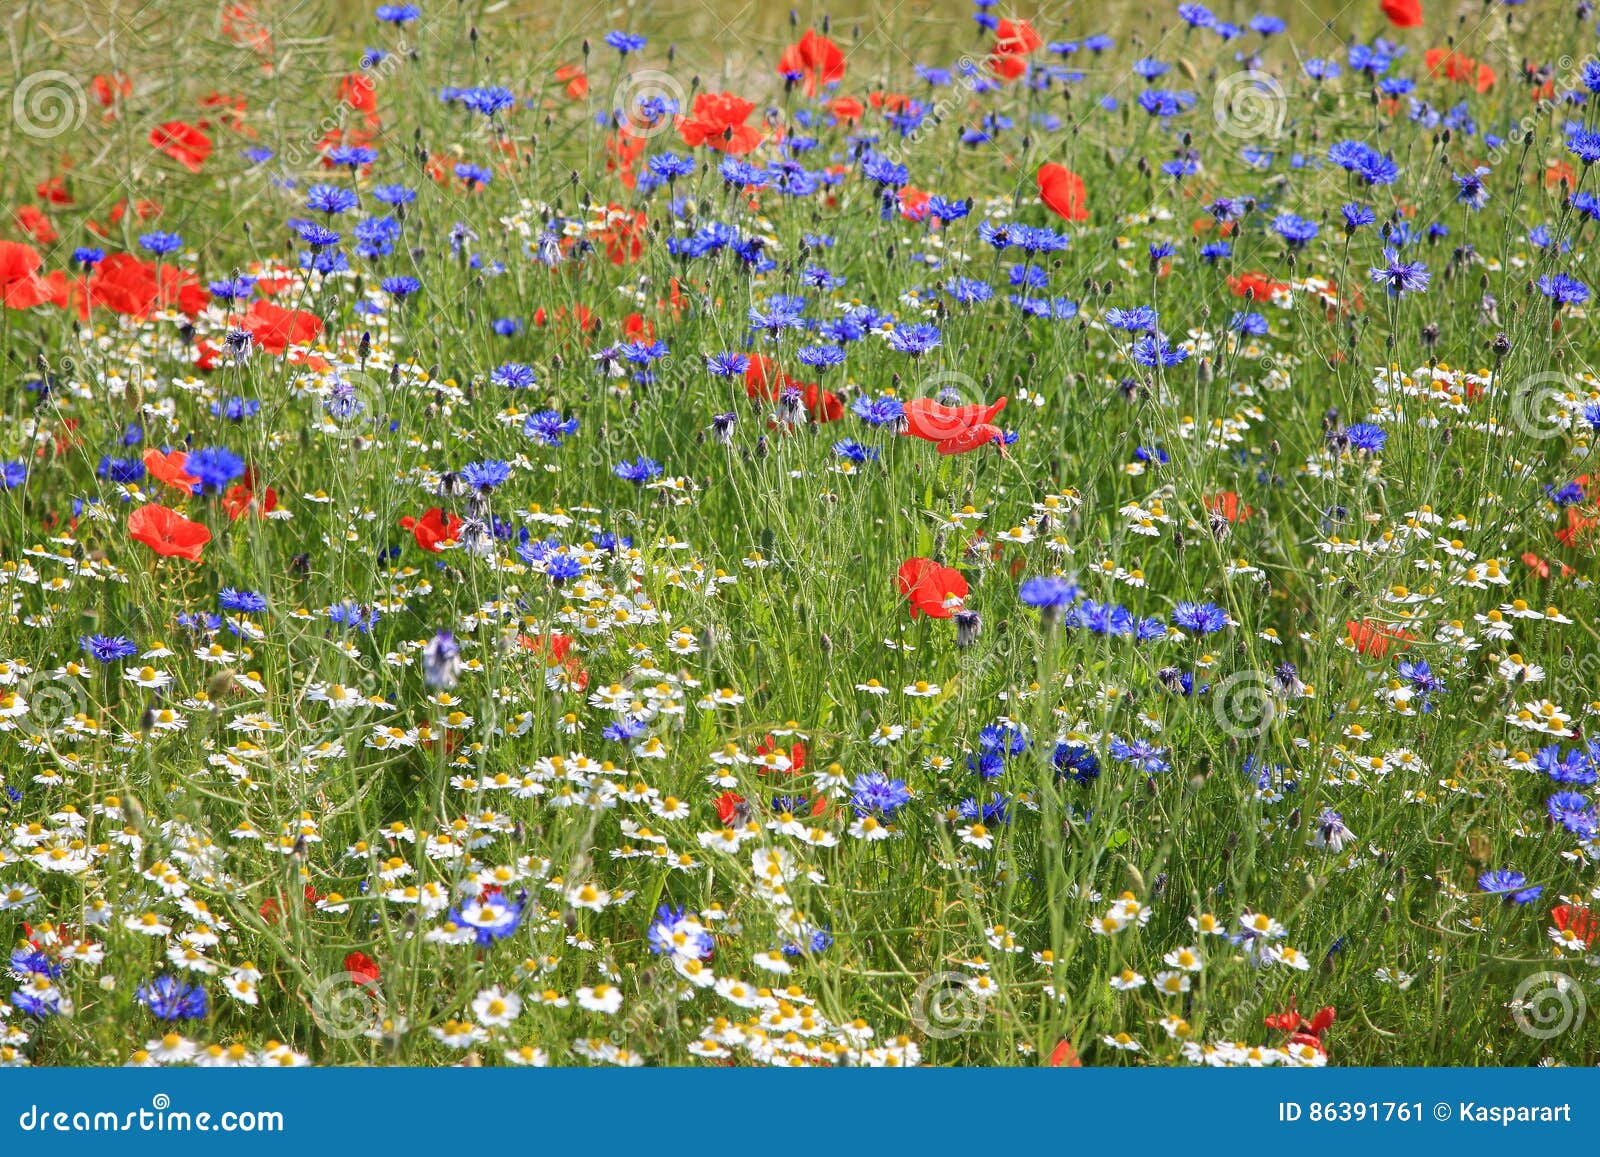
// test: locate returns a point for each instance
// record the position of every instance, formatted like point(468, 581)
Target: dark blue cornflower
point(394, 194)
point(875, 793)
point(638, 472)
point(1050, 594)
point(473, 176)
point(670, 166)
point(514, 376)
point(215, 467)
point(1143, 755)
point(1562, 289)
point(1356, 215)
point(1511, 884)
point(400, 287)
point(1153, 349)
point(485, 476)
point(1076, 762)
point(915, 339)
point(123, 470)
point(107, 648)
point(1470, 188)
point(331, 199)
point(87, 256)
point(397, 14)
point(549, 427)
point(169, 998)
point(248, 602)
point(1202, 618)
point(353, 617)
point(235, 409)
point(232, 288)
point(1296, 230)
point(1400, 277)
point(625, 42)
point(1573, 811)
point(852, 451)
point(729, 365)
point(1252, 324)
point(161, 243)
point(879, 410)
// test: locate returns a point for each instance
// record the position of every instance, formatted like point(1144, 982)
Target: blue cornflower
point(1513, 885)
point(549, 427)
point(107, 648)
point(916, 339)
point(400, 287)
point(852, 451)
point(1562, 289)
point(398, 13)
point(87, 256)
point(1077, 762)
point(1361, 436)
point(331, 199)
point(235, 409)
point(1573, 811)
point(1400, 277)
point(1202, 618)
point(673, 933)
point(472, 175)
point(1297, 231)
point(514, 376)
point(493, 916)
point(215, 467)
point(1136, 320)
point(670, 166)
point(1252, 324)
point(1356, 215)
point(1050, 594)
point(625, 42)
point(161, 243)
point(875, 793)
point(1470, 188)
point(638, 472)
point(1141, 753)
point(880, 410)
point(169, 998)
point(233, 599)
point(485, 476)
point(1153, 349)
point(394, 194)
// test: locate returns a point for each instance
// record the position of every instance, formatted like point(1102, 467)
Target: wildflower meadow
point(666, 535)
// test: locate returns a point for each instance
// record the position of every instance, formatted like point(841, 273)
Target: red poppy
point(1579, 532)
point(575, 79)
point(183, 142)
point(1370, 637)
point(1304, 1032)
point(433, 529)
point(975, 438)
point(242, 498)
point(728, 806)
point(125, 284)
point(1227, 505)
point(1062, 192)
point(1064, 1056)
point(21, 287)
point(358, 91)
point(167, 532)
point(276, 328)
point(913, 203)
point(32, 221)
point(718, 123)
point(930, 587)
point(796, 753)
point(1015, 38)
point(362, 969)
point(848, 109)
point(1403, 13)
point(171, 468)
point(1579, 921)
point(1461, 69)
point(239, 24)
point(816, 59)
point(107, 89)
point(53, 191)
point(1256, 286)
point(554, 646)
point(926, 418)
